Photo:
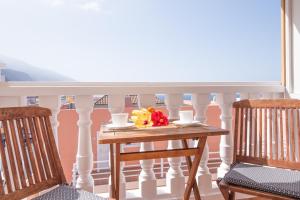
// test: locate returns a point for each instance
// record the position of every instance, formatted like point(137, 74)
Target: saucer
point(112, 126)
point(180, 123)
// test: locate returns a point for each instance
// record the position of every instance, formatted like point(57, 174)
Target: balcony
point(86, 164)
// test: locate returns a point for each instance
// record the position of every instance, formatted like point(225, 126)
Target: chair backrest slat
point(267, 132)
point(24, 153)
point(28, 152)
point(11, 159)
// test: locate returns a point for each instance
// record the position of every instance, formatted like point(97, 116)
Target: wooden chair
point(266, 159)
point(29, 158)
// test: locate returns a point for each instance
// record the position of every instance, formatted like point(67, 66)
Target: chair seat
point(273, 180)
point(64, 192)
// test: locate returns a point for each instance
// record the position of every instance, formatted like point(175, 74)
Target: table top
point(162, 133)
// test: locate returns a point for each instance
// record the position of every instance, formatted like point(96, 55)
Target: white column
point(53, 103)
point(116, 104)
point(174, 179)
point(84, 158)
point(203, 177)
point(226, 144)
point(147, 180)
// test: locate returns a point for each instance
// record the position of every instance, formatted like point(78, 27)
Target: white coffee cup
point(186, 116)
point(119, 119)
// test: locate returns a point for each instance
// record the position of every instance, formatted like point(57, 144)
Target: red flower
point(159, 119)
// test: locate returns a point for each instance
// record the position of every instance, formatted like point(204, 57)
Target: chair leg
point(231, 195)
point(225, 190)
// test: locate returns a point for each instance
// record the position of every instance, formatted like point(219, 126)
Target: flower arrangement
point(149, 117)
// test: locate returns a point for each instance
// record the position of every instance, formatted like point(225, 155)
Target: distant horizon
point(145, 41)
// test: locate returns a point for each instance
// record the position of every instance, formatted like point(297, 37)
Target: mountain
point(16, 70)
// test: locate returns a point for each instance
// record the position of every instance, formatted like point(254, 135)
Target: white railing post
point(174, 179)
point(53, 103)
point(226, 144)
point(116, 104)
point(147, 179)
point(84, 158)
point(203, 177)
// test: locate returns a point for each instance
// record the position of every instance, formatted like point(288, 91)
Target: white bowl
point(186, 116)
point(119, 119)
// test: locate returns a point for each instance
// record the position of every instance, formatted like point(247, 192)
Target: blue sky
point(145, 40)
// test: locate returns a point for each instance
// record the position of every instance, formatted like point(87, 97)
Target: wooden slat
point(255, 132)
point(30, 151)
point(11, 158)
point(17, 153)
point(117, 174)
point(287, 142)
point(265, 133)
point(24, 153)
point(246, 132)
point(292, 135)
point(113, 174)
point(298, 127)
point(5, 165)
point(23, 112)
point(260, 133)
point(48, 147)
point(145, 155)
point(250, 132)
point(241, 132)
point(236, 131)
point(271, 133)
point(36, 149)
point(281, 136)
point(41, 147)
point(276, 133)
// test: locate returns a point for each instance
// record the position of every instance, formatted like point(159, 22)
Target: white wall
point(293, 47)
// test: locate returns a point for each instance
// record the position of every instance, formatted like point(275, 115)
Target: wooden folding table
point(197, 132)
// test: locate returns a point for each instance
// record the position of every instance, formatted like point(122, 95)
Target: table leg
point(189, 165)
point(117, 173)
point(193, 171)
point(112, 171)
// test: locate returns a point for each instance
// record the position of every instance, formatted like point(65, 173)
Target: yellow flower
point(141, 118)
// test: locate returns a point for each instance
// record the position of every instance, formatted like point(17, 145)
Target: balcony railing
point(15, 93)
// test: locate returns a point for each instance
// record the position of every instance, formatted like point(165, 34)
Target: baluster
point(53, 103)
point(203, 177)
point(226, 144)
point(116, 104)
point(174, 179)
point(147, 179)
point(84, 158)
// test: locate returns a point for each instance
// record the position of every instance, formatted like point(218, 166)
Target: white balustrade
point(225, 101)
point(175, 180)
point(84, 157)
point(14, 94)
point(204, 179)
point(147, 180)
point(116, 104)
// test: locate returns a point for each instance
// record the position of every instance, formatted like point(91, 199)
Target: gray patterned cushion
point(64, 192)
point(273, 180)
